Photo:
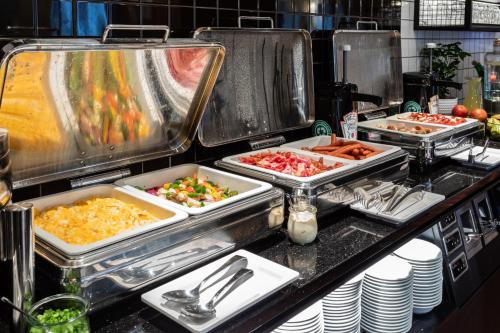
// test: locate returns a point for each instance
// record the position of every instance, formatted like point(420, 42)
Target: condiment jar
point(302, 223)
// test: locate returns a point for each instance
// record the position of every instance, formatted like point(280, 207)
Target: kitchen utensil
point(417, 189)
point(24, 313)
point(480, 156)
point(208, 310)
point(231, 266)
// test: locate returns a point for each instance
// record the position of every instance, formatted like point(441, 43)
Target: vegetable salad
point(192, 191)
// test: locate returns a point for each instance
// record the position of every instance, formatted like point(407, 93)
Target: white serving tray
point(327, 160)
point(411, 208)
point(69, 197)
point(246, 187)
point(269, 277)
point(467, 122)
point(492, 160)
point(373, 124)
point(325, 140)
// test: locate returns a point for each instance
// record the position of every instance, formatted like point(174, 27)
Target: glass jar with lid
point(302, 224)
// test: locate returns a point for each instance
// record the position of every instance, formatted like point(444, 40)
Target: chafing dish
point(423, 149)
point(110, 273)
point(328, 191)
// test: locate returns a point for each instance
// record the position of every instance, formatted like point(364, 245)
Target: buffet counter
point(347, 243)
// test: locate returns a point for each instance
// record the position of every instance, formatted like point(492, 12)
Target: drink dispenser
point(16, 246)
point(491, 99)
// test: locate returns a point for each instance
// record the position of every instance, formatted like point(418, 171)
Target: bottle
point(302, 224)
point(492, 79)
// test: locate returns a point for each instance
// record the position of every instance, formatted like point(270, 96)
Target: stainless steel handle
point(256, 18)
point(367, 22)
point(135, 27)
point(100, 178)
point(233, 265)
point(237, 280)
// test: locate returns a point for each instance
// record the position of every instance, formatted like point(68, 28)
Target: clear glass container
point(77, 324)
point(492, 73)
point(473, 95)
point(302, 223)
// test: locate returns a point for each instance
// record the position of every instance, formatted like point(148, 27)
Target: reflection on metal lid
point(79, 106)
point(265, 85)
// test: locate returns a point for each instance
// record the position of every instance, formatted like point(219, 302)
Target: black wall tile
point(267, 5)
point(228, 18)
point(206, 17)
point(206, 3)
point(125, 14)
point(16, 18)
point(249, 4)
point(233, 4)
point(181, 21)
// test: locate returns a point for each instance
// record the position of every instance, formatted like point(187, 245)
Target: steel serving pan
point(265, 85)
point(245, 187)
point(77, 106)
point(166, 216)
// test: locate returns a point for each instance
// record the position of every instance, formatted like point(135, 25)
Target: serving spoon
point(207, 310)
point(233, 265)
point(15, 307)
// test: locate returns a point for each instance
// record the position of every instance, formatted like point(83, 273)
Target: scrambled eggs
point(92, 220)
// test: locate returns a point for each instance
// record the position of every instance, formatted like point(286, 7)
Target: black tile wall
point(79, 18)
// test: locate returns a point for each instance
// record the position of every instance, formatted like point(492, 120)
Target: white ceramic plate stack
point(308, 321)
point(427, 262)
point(342, 307)
point(386, 299)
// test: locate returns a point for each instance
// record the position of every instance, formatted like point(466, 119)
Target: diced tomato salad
point(289, 163)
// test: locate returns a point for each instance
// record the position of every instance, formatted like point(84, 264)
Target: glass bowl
point(79, 324)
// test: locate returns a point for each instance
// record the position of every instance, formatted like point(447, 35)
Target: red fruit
point(479, 114)
point(459, 111)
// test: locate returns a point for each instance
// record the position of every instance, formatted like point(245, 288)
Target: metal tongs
point(478, 157)
point(398, 200)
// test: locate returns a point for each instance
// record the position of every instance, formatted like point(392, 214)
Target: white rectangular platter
point(409, 209)
point(401, 116)
point(70, 197)
point(269, 277)
point(325, 140)
point(376, 123)
point(246, 187)
point(491, 160)
point(327, 160)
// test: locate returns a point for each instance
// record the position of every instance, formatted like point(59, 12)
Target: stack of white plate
point(427, 262)
point(386, 300)
point(342, 307)
point(308, 321)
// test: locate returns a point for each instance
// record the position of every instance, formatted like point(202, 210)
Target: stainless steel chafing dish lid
point(77, 106)
point(265, 85)
point(374, 64)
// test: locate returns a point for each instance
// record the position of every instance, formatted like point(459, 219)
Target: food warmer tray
point(423, 149)
point(109, 274)
point(333, 190)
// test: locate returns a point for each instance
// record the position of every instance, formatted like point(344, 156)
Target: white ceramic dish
point(70, 197)
point(491, 161)
point(325, 140)
point(401, 116)
point(269, 277)
point(409, 209)
point(419, 250)
point(246, 187)
point(234, 160)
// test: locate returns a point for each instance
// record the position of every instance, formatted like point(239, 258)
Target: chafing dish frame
point(426, 151)
point(328, 193)
point(96, 275)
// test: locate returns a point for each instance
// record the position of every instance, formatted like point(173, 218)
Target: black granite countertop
point(347, 243)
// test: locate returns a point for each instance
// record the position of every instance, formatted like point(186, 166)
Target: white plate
point(234, 160)
point(422, 310)
point(246, 187)
point(391, 305)
point(389, 285)
point(307, 314)
point(390, 269)
point(269, 277)
point(409, 209)
point(419, 250)
point(325, 140)
point(492, 160)
point(302, 328)
point(385, 329)
point(400, 117)
point(103, 191)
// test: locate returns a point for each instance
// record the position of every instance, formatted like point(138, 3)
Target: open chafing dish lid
point(374, 64)
point(76, 106)
point(265, 85)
